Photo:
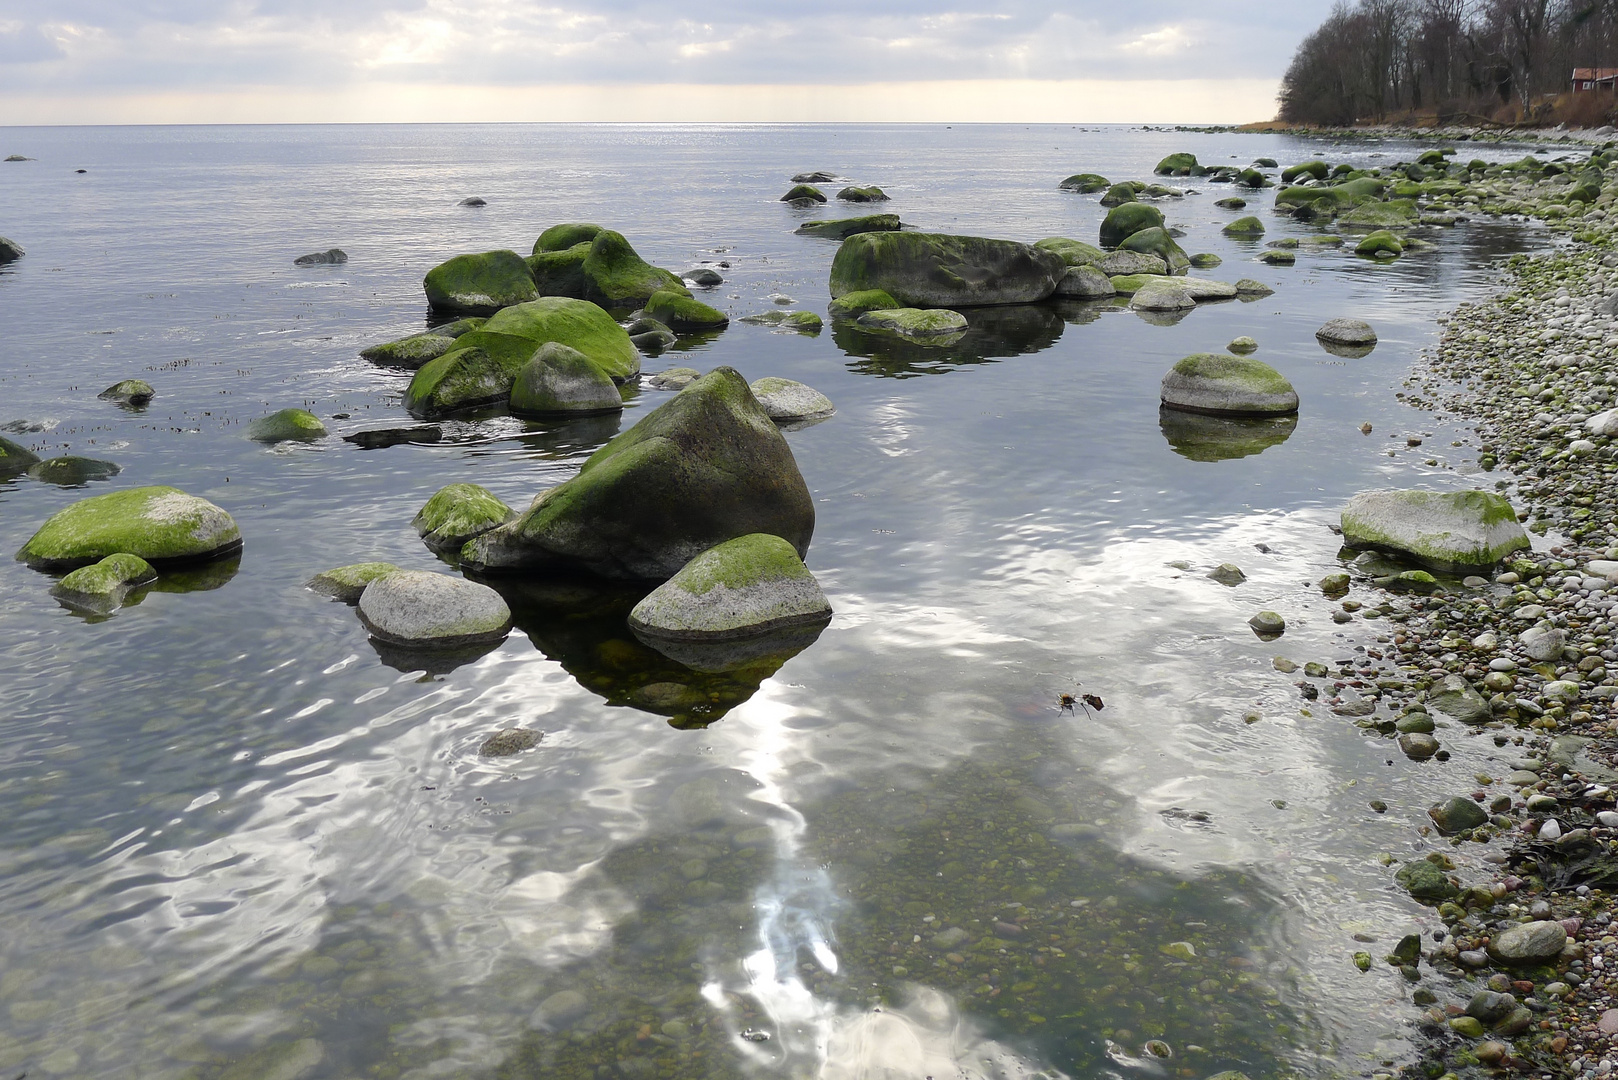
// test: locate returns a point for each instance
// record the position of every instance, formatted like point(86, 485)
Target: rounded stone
point(162, 525)
point(785, 400)
point(101, 587)
point(1220, 384)
point(288, 425)
point(1347, 332)
point(457, 513)
point(1162, 295)
point(134, 392)
point(70, 471)
point(559, 1010)
point(1457, 815)
point(1418, 746)
point(347, 583)
point(510, 742)
point(1267, 624)
point(1243, 345)
point(1529, 943)
point(746, 586)
point(419, 610)
point(561, 381)
point(916, 322)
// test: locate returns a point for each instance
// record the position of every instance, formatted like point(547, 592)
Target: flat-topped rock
point(843, 228)
point(1347, 332)
point(479, 284)
point(749, 585)
point(458, 512)
point(1131, 262)
point(346, 583)
point(162, 525)
point(785, 401)
point(934, 270)
point(1219, 384)
point(1084, 283)
point(414, 609)
point(1451, 531)
point(1162, 295)
point(916, 322)
point(101, 587)
point(132, 392)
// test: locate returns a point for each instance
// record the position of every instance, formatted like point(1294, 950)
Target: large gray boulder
point(1454, 697)
point(413, 609)
point(706, 467)
point(1451, 531)
point(1347, 332)
point(932, 270)
point(749, 585)
point(1529, 943)
point(562, 381)
point(1084, 283)
point(1220, 384)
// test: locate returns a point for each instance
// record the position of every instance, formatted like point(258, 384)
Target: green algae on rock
point(856, 303)
point(869, 193)
point(415, 609)
point(560, 273)
point(1380, 244)
point(1126, 220)
point(1318, 170)
point(458, 512)
point(684, 313)
point(938, 270)
point(804, 193)
point(1119, 194)
point(562, 381)
point(1245, 227)
point(1085, 183)
point(15, 459)
point(1157, 241)
point(749, 585)
point(288, 425)
point(346, 583)
point(1180, 164)
point(70, 471)
point(1220, 384)
point(705, 467)
point(1084, 283)
point(786, 401)
point(162, 525)
point(578, 324)
point(1425, 882)
point(479, 284)
point(132, 392)
point(417, 349)
point(1446, 531)
point(615, 276)
point(101, 587)
point(915, 322)
point(843, 228)
point(467, 378)
point(1072, 252)
point(566, 235)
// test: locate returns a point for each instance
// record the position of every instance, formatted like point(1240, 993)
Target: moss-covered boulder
point(1119, 194)
point(870, 193)
point(578, 324)
point(804, 322)
point(805, 194)
point(706, 467)
point(1381, 244)
point(1084, 283)
point(101, 587)
point(1234, 202)
point(749, 585)
point(786, 401)
point(346, 583)
point(1157, 241)
point(131, 392)
point(684, 313)
point(1246, 228)
point(479, 284)
point(1085, 183)
point(1181, 164)
point(465, 379)
point(1393, 214)
point(615, 276)
point(458, 512)
point(1448, 531)
point(1426, 882)
point(1130, 284)
point(915, 322)
point(1252, 289)
point(1072, 252)
point(1317, 170)
point(1252, 178)
point(1205, 260)
point(417, 349)
point(70, 471)
point(1218, 384)
point(1331, 199)
point(1278, 258)
point(15, 459)
point(562, 381)
point(162, 525)
point(936, 270)
point(412, 609)
point(864, 300)
point(843, 228)
point(560, 273)
point(1125, 221)
point(569, 234)
point(288, 425)
point(1161, 295)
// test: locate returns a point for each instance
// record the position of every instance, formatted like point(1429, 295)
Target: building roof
point(1594, 74)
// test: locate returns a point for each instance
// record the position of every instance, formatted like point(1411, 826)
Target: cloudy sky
point(91, 61)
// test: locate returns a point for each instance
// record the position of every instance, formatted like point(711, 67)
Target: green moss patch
point(162, 525)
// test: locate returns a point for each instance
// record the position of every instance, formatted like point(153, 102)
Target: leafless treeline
point(1380, 58)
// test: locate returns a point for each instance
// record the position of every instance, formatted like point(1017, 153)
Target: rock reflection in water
point(992, 332)
point(1348, 352)
point(1219, 438)
point(583, 625)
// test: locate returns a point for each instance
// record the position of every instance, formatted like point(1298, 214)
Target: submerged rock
point(683, 313)
point(15, 459)
point(804, 194)
point(1457, 815)
point(749, 585)
point(705, 467)
point(70, 471)
point(1449, 531)
point(510, 742)
point(101, 587)
point(864, 300)
point(1424, 881)
point(329, 257)
point(346, 583)
point(417, 610)
point(935, 270)
point(479, 284)
point(870, 193)
point(562, 381)
point(10, 251)
point(377, 438)
point(418, 349)
point(132, 392)
point(162, 525)
point(1085, 183)
point(1223, 385)
point(784, 400)
point(843, 228)
point(819, 176)
point(288, 425)
point(458, 512)
point(915, 322)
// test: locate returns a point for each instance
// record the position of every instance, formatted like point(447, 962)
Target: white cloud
point(1163, 42)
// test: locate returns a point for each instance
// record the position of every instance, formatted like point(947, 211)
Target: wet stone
point(510, 742)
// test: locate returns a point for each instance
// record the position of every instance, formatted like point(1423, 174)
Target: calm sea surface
point(241, 843)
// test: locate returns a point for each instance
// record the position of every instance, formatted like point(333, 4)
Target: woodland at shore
point(1444, 63)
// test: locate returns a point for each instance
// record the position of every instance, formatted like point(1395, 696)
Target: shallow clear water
point(241, 842)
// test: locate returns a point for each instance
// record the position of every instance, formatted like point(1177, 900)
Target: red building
point(1590, 79)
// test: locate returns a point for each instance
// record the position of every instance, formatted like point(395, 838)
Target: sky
point(288, 61)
